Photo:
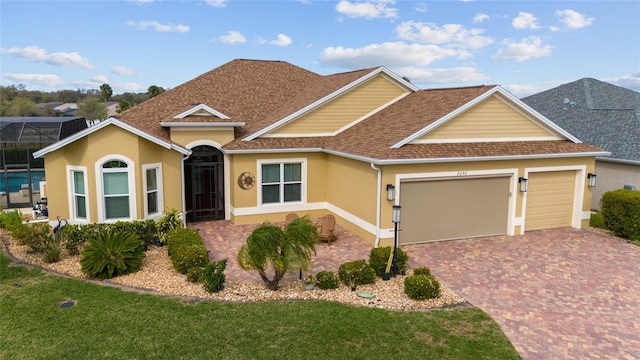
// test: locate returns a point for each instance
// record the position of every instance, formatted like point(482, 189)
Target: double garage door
point(455, 208)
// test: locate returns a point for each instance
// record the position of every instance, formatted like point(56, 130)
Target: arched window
point(118, 189)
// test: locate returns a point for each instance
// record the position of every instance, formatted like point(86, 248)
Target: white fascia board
point(201, 124)
point(199, 107)
point(479, 99)
point(487, 158)
point(330, 97)
point(103, 124)
point(272, 151)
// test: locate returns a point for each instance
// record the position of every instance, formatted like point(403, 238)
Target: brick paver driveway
point(557, 294)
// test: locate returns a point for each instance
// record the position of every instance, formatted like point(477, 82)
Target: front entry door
point(204, 175)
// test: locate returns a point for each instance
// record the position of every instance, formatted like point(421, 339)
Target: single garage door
point(453, 208)
point(549, 200)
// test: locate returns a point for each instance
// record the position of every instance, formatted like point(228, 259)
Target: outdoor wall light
point(523, 184)
point(592, 179)
point(391, 192)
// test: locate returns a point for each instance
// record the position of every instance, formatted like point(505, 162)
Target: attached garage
point(550, 197)
point(453, 208)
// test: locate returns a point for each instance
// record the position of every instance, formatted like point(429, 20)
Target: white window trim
point(73, 212)
point(303, 186)
point(159, 190)
point(131, 174)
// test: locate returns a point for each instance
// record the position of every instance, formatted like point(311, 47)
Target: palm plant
point(269, 246)
point(112, 254)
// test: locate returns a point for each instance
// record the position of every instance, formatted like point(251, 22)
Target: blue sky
point(525, 46)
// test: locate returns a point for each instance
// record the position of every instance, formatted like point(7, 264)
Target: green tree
point(22, 106)
point(123, 105)
point(106, 92)
point(155, 91)
point(269, 246)
point(91, 108)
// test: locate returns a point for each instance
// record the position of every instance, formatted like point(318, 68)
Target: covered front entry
point(204, 184)
point(443, 209)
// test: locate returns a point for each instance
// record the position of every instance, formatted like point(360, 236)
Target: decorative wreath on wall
point(246, 180)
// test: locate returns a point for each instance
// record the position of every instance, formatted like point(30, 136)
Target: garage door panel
point(550, 200)
point(452, 209)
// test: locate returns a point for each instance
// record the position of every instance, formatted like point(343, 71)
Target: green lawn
point(110, 323)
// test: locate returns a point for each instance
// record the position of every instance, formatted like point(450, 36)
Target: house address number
point(462, 173)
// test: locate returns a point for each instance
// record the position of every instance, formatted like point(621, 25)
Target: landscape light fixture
point(523, 184)
point(395, 218)
point(391, 192)
point(592, 179)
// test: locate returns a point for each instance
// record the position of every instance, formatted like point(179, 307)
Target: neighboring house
point(602, 114)
point(251, 141)
point(66, 109)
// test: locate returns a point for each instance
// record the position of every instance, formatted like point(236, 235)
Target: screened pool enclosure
point(20, 137)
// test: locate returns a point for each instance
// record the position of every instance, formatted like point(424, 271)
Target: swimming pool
point(17, 178)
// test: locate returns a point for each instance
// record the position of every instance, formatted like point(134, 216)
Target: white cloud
point(525, 21)
point(422, 8)
point(122, 70)
point(372, 9)
point(573, 19)
point(283, 40)
point(390, 54)
point(233, 37)
point(100, 79)
point(480, 17)
point(132, 87)
point(158, 26)
point(217, 3)
point(47, 80)
point(521, 91)
point(426, 76)
point(35, 53)
point(629, 81)
point(529, 48)
point(452, 34)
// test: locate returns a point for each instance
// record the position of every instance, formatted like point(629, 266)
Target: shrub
point(195, 274)
point(52, 252)
point(421, 287)
point(37, 236)
point(327, 280)
point(213, 276)
point(77, 235)
point(597, 221)
point(379, 256)
point(186, 249)
point(356, 272)
point(621, 212)
point(422, 271)
point(169, 221)
point(10, 219)
point(112, 254)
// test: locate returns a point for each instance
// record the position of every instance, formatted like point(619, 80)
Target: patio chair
point(289, 219)
point(326, 227)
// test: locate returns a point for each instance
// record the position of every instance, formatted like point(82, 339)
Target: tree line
point(16, 100)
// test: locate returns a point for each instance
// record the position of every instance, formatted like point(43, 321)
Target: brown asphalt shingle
point(260, 93)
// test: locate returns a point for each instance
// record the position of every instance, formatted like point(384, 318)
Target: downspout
point(378, 204)
point(183, 190)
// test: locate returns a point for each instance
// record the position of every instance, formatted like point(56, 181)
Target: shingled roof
point(258, 93)
point(596, 112)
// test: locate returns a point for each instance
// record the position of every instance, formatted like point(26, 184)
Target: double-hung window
point(152, 182)
point(77, 179)
point(282, 182)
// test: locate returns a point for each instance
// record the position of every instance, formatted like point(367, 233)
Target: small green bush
point(379, 256)
point(186, 249)
point(10, 219)
point(327, 280)
point(37, 236)
point(213, 276)
point(195, 274)
point(621, 212)
point(112, 254)
point(597, 221)
point(356, 272)
point(169, 221)
point(422, 271)
point(421, 287)
point(52, 252)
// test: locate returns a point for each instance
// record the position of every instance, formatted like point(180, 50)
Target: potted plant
point(387, 272)
point(309, 282)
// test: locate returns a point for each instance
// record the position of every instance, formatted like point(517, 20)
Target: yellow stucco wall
point(88, 150)
point(492, 118)
point(346, 109)
point(186, 136)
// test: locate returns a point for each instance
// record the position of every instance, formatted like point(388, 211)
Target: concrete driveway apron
point(557, 294)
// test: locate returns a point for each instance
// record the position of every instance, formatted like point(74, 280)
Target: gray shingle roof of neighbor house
point(597, 113)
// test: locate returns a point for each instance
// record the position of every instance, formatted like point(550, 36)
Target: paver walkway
point(557, 294)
